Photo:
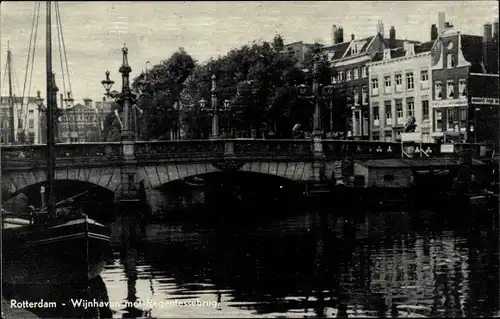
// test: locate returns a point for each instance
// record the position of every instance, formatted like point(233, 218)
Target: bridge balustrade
point(361, 149)
point(37, 154)
point(179, 149)
point(273, 148)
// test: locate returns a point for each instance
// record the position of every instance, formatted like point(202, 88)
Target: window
point(31, 113)
point(388, 178)
point(356, 97)
point(388, 136)
point(376, 136)
point(31, 137)
point(31, 123)
point(388, 113)
point(374, 86)
point(356, 73)
point(364, 92)
point(424, 79)
point(425, 109)
point(334, 79)
point(348, 75)
point(439, 121)
point(399, 111)
point(462, 87)
point(387, 84)
point(449, 61)
point(450, 119)
point(438, 91)
point(409, 81)
point(19, 123)
point(399, 82)
point(341, 76)
point(364, 73)
point(376, 115)
point(463, 115)
point(410, 107)
point(450, 89)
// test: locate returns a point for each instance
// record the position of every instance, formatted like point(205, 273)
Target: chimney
point(87, 102)
point(380, 28)
point(392, 38)
point(334, 34)
point(495, 28)
point(352, 37)
point(434, 32)
point(441, 21)
point(340, 35)
point(487, 32)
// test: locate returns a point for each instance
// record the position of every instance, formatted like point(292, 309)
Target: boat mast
point(11, 99)
point(50, 117)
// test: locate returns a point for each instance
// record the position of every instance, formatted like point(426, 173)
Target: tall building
point(463, 68)
point(298, 50)
point(400, 88)
point(80, 124)
point(26, 121)
point(350, 73)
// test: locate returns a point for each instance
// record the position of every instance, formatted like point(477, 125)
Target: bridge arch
point(106, 177)
point(162, 173)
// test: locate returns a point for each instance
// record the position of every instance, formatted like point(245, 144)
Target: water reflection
point(379, 267)
point(311, 265)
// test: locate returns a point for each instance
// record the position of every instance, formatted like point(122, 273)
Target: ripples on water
point(307, 266)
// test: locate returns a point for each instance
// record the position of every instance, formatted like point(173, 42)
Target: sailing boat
point(57, 243)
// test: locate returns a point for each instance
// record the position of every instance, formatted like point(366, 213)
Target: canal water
point(385, 264)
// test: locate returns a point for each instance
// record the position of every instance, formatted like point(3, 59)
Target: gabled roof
point(367, 41)
point(337, 49)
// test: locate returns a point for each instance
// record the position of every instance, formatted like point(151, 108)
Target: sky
point(95, 32)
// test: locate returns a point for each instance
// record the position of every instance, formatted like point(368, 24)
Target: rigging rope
point(58, 16)
point(4, 75)
point(66, 115)
point(32, 60)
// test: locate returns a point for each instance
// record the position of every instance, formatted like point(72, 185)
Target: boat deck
point(9, 312)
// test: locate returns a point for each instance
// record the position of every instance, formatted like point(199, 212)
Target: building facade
point(297, 49)
point(350, 73)
point(26, 121)
point(80, 124)
point(400, 81)
point(455, 57)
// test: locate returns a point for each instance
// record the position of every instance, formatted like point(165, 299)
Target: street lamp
point(126, 98)
point(327, 92)
point(214, 110)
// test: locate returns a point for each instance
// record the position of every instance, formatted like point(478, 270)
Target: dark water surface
point(308, 265)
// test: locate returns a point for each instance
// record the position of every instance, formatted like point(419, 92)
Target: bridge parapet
point(273, 148)
point(36, 155)
point(179, 149)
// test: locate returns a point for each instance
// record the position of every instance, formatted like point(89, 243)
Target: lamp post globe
point(107, 83)
point(39, 100)
point(203, 103)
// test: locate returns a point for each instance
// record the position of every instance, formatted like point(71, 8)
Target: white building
point(26, 120)
point(400, 87)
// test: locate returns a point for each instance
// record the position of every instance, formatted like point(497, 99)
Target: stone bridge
point(112, 165)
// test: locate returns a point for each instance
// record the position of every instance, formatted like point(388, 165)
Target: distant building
point(80, 123)
point(26, 121)
point(400, 81)
point(297, 49)
point(463, 71)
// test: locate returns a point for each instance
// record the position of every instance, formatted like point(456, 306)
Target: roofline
point(496, 75)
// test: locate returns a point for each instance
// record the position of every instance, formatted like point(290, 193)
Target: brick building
point(461, 62)
point(350, 73)
point(400, 81)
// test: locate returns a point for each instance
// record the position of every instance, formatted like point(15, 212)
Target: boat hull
point(70, 252)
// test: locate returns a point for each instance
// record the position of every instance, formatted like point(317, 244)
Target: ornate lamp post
point(126, 98)
point(214, 111)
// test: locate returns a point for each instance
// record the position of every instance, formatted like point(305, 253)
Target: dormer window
point(409, 48)
point(354, 49)
point(387, 54)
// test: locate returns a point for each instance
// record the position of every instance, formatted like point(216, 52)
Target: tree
point(164, 85)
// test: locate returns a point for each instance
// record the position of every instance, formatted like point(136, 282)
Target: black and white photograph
point(249, 159)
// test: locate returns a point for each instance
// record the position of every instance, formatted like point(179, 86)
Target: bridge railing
point(179, 149)
point(37, 154)
point(273, 148)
